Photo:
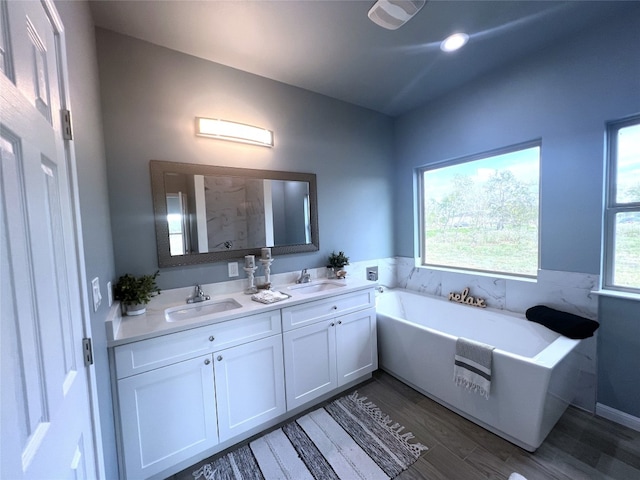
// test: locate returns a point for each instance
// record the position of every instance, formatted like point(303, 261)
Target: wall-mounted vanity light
point(235, 132)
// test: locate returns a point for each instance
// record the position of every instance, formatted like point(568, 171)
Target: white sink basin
point(196, 310)
point(314, 287)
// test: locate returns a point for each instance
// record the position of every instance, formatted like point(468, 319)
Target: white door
point(249, 385)
point(46, 411)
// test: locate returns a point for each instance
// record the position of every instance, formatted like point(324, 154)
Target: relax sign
point(467, 299)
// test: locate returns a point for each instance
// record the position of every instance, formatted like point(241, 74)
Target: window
point(176, 222)
point(481, 213)
point(622, 214)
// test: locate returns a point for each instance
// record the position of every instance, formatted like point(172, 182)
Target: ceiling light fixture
point(232, 131)
point(392, 14)
point(454, 42)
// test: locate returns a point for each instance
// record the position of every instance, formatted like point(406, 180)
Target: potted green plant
point(135, 292)
point(337, 262)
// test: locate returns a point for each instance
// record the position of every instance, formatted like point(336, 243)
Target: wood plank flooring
point(581, 446)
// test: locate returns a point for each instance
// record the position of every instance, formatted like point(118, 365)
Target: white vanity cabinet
point(187, 394)
point(328, 343)
point(183, 393)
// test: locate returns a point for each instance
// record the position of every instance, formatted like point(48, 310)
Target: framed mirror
point(206, 213)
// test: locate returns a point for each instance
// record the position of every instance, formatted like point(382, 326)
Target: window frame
point(611, 207)
point(467, 159)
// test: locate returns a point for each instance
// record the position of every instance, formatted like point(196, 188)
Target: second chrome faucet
point(198, 295)
point(305, 277)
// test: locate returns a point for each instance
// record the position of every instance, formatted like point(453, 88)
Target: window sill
point(617, 294)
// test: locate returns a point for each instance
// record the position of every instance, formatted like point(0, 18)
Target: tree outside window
point(482, 213)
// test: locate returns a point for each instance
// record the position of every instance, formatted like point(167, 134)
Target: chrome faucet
point(198, 296)
point(304, 277)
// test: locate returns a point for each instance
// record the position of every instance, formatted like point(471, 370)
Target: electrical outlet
point(372, 273)
point(233, 269)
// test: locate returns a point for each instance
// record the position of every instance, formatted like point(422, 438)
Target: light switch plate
point(97, 296)
point(233, 269)
point(110, 293)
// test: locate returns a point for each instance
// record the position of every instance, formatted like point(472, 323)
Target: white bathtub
point(533, 373)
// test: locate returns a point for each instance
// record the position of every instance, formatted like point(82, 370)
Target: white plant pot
point(137, 309)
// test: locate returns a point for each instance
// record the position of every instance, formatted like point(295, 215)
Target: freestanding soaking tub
point(534, 371)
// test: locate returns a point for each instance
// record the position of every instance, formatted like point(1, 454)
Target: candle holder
point(250, 273)
point(266, 264)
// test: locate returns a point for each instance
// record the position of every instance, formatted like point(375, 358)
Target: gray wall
point(564, 96)
point(91, 169)
point(150, 96)
point(619, 354)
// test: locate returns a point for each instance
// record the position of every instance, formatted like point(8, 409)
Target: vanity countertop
point(127, 329)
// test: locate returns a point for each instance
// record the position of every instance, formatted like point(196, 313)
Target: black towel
point(567, 324)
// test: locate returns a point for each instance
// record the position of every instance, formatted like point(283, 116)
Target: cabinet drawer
point(307, 313)
point(146, 355)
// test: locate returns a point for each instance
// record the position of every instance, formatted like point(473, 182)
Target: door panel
point(357, 350)
point(249, 385)
point(167, 416)
point(310, 362)
point(47, 429)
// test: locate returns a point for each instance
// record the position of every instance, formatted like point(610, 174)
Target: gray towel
point(472, 366)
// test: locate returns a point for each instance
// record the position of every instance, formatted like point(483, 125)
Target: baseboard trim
point(617, 416)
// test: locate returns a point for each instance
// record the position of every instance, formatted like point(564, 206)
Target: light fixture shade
point(392, 14)
point(233, 131)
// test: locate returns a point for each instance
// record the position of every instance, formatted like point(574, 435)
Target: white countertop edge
point(123, 329)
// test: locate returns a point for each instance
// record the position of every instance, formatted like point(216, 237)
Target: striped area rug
point(348, 439)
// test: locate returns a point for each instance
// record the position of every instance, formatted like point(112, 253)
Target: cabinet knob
point(219, 358)
point(339, 322)
point(211, 338)
point(333, 324)
point(335, 307)
point(207, 361)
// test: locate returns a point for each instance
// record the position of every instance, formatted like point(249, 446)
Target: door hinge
point(87, 351)
point(67, 131)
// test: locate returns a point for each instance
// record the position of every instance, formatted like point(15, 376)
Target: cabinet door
point(249, 385)
point(167, 415)
point(309, 362)
point(357, 345)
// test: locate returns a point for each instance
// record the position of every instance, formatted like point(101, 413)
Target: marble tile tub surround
point(566, 291)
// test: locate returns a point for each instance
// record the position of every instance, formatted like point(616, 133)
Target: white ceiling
point(332, 48)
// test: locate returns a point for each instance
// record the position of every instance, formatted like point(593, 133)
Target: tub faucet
point(198, 296)
point(304, 277)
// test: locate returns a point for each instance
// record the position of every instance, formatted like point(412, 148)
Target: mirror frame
point(158, 168)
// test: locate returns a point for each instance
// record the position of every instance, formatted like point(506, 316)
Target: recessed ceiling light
point(454, 42)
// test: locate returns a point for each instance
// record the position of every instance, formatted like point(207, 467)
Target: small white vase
point(332, 272)
point(137, 309)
